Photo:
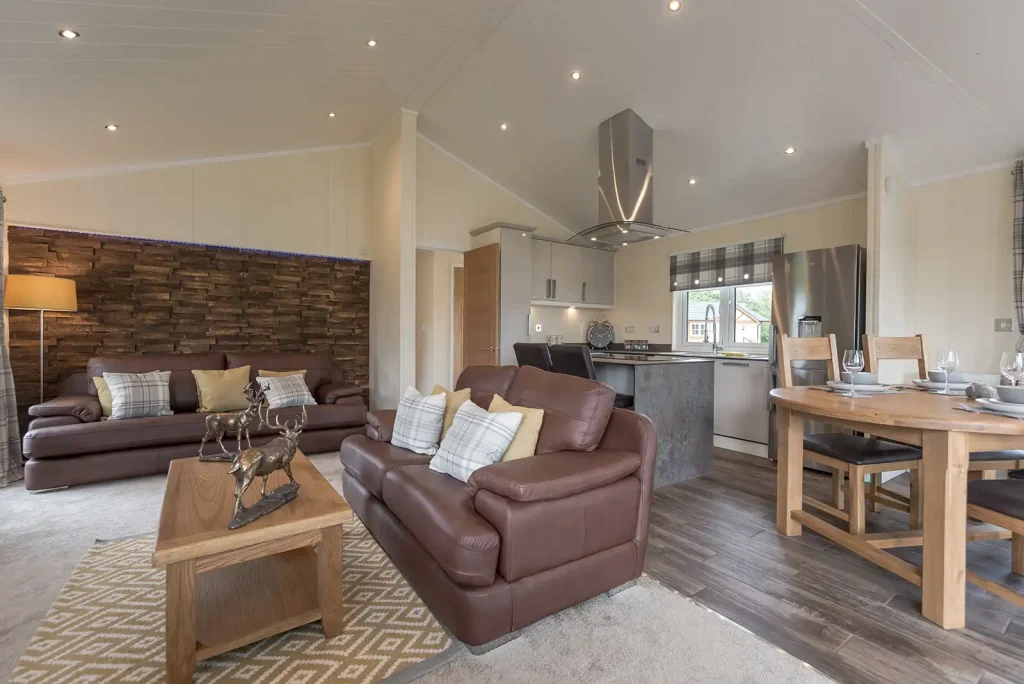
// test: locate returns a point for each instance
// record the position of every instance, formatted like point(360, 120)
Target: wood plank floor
point(713, 539)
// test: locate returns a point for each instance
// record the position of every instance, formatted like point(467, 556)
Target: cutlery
point(971, 409)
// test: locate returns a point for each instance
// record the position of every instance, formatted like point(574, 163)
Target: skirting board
point(741, 445)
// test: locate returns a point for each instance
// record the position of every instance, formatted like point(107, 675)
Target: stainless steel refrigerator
point(814, 294)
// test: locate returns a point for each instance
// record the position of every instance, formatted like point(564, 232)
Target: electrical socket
point(538, 327)
point(630, 328)
point(1004, 325)
point(655, 328)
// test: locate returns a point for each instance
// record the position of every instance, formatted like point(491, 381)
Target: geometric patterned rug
point(107, 625)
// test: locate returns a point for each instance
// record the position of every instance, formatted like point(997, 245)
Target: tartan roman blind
point(744, 264)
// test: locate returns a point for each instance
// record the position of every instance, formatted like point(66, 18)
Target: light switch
point(1004, 325)
point(537, 327)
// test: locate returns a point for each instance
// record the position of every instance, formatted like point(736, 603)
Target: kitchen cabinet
point(598, 277)
point(741, 399)
point(567, 275)
point(540, 254)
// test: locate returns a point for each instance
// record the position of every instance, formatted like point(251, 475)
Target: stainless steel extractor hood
point(625, 187)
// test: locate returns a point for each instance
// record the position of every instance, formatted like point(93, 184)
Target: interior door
point(481, 271)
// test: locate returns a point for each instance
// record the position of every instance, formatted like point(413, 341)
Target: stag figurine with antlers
point(219, 425)
point(263, 462)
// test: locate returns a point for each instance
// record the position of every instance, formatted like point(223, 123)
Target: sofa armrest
point(330, 392)
point(85, 408)
point(553, 476)
point(380, 424)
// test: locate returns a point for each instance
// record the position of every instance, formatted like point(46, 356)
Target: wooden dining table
point(947, 437)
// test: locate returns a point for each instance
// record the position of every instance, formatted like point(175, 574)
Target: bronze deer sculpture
point(218, 425)
point(265, 460)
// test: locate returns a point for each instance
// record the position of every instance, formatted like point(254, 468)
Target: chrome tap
point(709, 317)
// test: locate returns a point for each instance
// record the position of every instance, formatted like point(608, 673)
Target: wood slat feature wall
point(143, 296)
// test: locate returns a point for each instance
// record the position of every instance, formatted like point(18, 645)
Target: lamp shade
point(40, 293)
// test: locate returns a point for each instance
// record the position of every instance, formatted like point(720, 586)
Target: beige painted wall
point(642, 295)
point(453, 198)
point(312, 203)
point(434, 317)
point(392, 246)
point(571, 323)
point(959, 265)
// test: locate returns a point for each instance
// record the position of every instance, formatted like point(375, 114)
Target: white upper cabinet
point(571, 275)
point(541, 262)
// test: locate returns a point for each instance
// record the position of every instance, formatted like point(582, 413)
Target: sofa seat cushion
point(181, 428)
point(436, 510)
point(369, 461)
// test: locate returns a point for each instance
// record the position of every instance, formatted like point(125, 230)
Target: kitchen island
point(678, 394)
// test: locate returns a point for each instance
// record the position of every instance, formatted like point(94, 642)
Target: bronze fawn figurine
point(263, 462)
point(218, 425)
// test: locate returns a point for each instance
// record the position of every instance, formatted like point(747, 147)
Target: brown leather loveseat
point(68, 442)
point(522, 539)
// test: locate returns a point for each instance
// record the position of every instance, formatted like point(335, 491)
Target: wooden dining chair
point(1000, 503)
point(852, 457)
point(983, 464)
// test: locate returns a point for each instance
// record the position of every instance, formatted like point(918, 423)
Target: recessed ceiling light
point(674, 6)
point(624, 244)
point(504, 126)
point(576, 75)
point(790, 150)
point(593, 239)
point(625, 230)
point(371, 43)
point(68, 33)
point(111, 127)
point(693, 181)
point(331, 114)
point(657, 237)
point(524, 234)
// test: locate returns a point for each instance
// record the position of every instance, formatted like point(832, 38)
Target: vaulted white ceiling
point(726, 84)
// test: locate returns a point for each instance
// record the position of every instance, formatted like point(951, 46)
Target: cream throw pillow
point(279, 374)
point(452, 402)
point(222, 390)
point(525, 442)
point(106, 401)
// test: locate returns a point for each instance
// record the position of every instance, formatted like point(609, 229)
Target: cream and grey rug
point(108, 625)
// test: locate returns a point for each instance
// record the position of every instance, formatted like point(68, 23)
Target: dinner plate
point(866, 389)
point(954, 386)
point(1002, 407)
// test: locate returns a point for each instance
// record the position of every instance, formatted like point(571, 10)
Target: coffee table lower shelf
point(241, 604)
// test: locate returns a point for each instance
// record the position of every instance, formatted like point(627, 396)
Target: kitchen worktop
point(644, 359)
point(695, 355)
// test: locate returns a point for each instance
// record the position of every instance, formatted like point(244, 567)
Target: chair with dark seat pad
point(536, 354)
point(983, 464)
point(575, 359)
point(1000, 503)
point(852, 457)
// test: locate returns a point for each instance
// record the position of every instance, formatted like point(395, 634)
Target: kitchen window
point(745, 325)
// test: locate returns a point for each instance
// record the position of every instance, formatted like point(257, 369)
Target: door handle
point(554, 289)
point(584, 292)
point(742, 364)
point(490, 349)
point(549, 288)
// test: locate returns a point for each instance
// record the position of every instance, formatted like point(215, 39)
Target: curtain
point(10, 441)
point(747, 263)
point(1018, 248)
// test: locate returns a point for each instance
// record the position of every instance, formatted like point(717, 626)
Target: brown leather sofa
point(67, 442)
point(522, 539)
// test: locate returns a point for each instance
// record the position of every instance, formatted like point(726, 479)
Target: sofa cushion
point(576, 410)
point(139, 395)
point(181, 428)
point(369, 461)
point(435, 509)
point(184, 397)
point(319, 367)
point(486, 381)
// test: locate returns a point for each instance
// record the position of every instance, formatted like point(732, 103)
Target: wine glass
point(947, 362)
point(853, 363)
point(1011, 365)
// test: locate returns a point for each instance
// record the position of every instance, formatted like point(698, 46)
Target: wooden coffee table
point(228, 588)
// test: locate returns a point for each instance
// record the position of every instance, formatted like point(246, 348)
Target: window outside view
point(748, 315)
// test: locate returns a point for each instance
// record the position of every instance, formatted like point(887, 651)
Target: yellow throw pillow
point(525, 442)
point(452, 402)
point(106, 401)
point(222, 390)
point(279, 374)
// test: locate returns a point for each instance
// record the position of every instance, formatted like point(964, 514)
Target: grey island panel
point(680, 399)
